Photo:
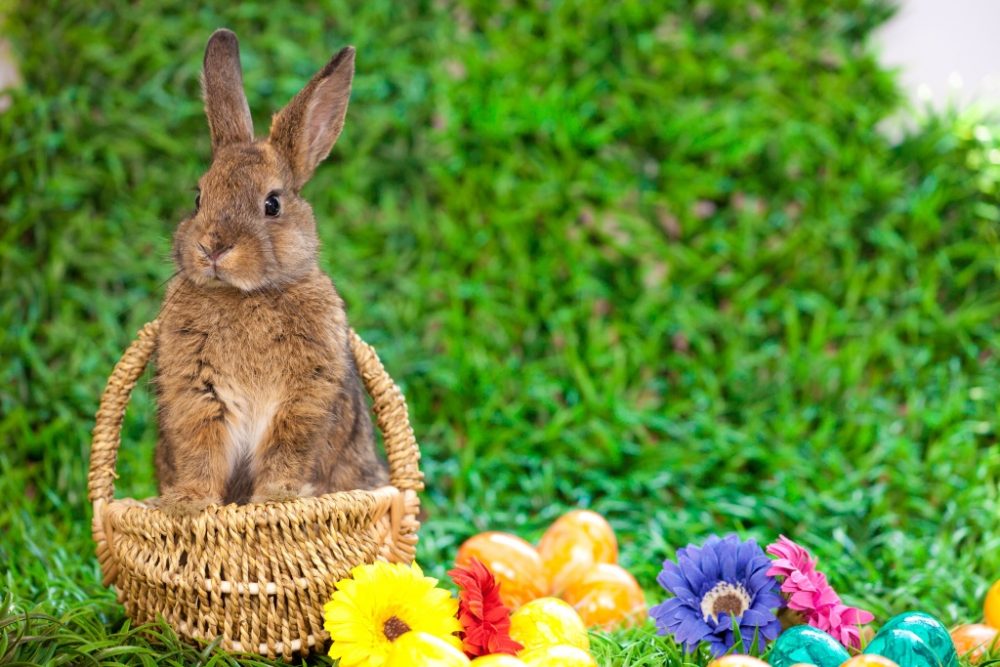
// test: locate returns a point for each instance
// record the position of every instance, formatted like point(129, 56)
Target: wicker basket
point(257, 575)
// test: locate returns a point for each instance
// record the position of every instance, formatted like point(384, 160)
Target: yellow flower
point(379, 603)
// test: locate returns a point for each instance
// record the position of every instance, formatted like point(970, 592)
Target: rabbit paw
point(281, 493)
point(179, 504)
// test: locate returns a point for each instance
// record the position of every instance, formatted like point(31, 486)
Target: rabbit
point(258, 394)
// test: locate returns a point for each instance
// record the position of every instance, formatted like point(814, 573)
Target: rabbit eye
point(272, 207)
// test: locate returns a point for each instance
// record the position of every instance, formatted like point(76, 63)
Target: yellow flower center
point(394, 627)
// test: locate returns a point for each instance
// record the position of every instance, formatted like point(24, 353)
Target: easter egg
point(865, 660)
point(497, 660)
point(913, 638)
point(991, 606)
point(547, 622)
point(514, 562)
point(808, 645)
point(557, 655)
point(607, 596)
point(419, 648)
point(974, 640)
point(573, 543)
point(903, 646)
point(737, 660)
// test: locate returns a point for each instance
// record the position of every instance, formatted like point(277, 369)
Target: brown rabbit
point(259, 396)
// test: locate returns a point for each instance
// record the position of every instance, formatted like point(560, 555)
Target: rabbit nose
point(216, 252)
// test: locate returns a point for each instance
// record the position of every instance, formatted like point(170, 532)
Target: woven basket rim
point(265, 510)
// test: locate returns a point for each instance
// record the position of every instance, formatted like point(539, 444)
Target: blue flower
point(723, 581)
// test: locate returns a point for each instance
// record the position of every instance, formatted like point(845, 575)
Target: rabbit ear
point(222, 82)
point(306, 129)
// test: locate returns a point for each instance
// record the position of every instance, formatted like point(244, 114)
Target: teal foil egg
point(904, 648)
point(915, 639)
point(805, 644)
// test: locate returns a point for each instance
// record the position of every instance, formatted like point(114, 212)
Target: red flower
point(485, 619)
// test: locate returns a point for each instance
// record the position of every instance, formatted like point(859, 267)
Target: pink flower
point(809, 593)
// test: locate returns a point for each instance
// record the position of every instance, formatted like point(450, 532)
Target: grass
point(657, 259)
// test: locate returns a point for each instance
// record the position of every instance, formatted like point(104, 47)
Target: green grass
point(656, 259)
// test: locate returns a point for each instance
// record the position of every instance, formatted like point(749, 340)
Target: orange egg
point(991, 606)
point(514, 562)
point(737, 660)
point(573, 543)
point(607, 596)
point(869, 660)
point(974, 640)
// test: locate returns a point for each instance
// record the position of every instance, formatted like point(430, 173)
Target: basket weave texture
point(255, 575)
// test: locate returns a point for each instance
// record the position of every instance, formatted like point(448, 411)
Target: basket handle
point(390, 409)
point(391, 416)
point(108, 423)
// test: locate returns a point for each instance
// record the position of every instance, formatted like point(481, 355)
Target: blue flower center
point(725, 598)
